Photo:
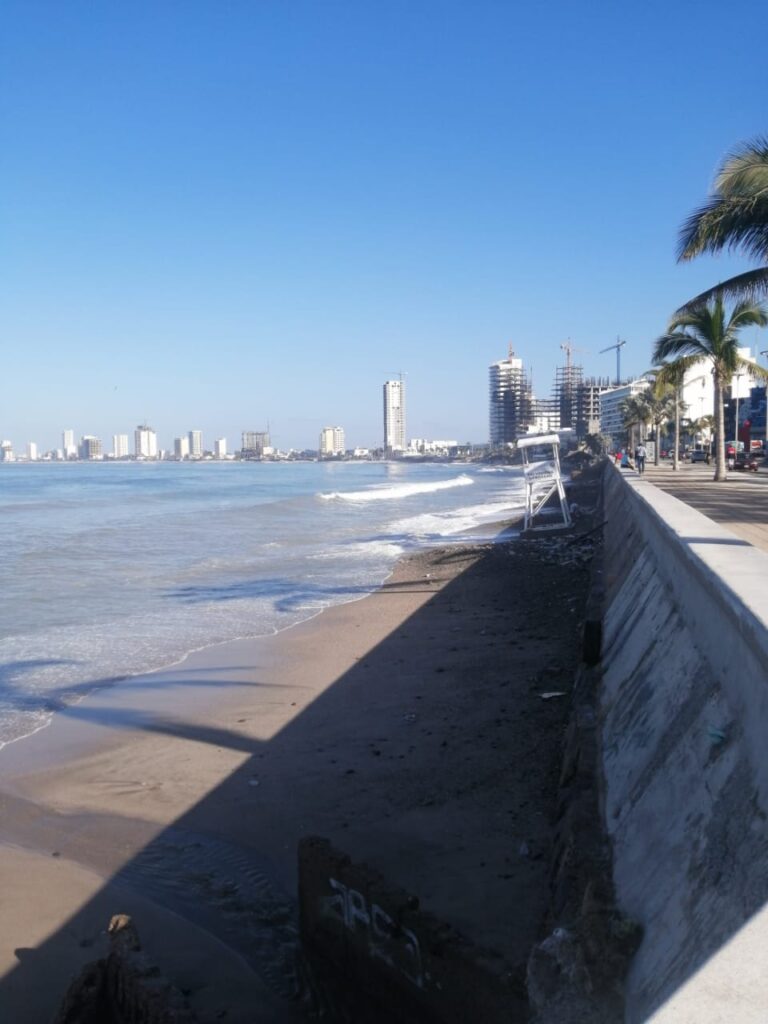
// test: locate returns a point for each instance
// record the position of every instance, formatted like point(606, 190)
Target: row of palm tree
point(735, 218)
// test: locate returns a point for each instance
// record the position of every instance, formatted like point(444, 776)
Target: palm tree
point(661, 405)
point(669, 379)
point(635, 412)
point(704, 331)
point(735, 217)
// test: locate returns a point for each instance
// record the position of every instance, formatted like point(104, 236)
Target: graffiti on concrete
point(386, 940)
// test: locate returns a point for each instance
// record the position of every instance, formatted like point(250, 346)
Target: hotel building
point(91, 447)
point(394, 416)
point(120, 446)
point(145, 440)
point(181, 448)
point(68, 444)
point(332, 441)
point(195, 444)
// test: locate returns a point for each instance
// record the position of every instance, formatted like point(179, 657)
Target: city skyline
point(508, 379)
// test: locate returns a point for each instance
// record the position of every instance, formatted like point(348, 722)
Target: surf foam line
point(399, 491)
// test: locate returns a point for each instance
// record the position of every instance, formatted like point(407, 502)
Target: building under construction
point(568, 381)
point(578, 399)
point(254, 444)
point(510, 400)
point(588, 405)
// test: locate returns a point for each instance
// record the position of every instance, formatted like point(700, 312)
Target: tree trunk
point(720, 471)
point(676, 455)
point(657, 446)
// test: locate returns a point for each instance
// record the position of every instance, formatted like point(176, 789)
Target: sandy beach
point(410, 728)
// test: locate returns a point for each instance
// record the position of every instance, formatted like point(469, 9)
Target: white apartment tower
point(332, 441)
point(394, 415)
point(181, 448)
point(220, 447)
point(195, 444)
point(68, 444)
point(32, 453)
point(120, 446)
point(145, 440)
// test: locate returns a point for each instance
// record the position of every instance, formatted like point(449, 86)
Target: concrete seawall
point(684, 714)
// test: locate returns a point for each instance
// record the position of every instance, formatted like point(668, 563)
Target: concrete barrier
point(684, 730)
point(377, 957)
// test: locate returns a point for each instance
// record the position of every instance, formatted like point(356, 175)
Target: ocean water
point(108, 570)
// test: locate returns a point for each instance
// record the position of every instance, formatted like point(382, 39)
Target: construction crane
point(569, 349)
point(618, 346)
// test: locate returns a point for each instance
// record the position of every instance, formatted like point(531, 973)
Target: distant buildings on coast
point(579, 405)
point(576, 407)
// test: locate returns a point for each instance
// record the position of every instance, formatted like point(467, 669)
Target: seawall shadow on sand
point(444, 771)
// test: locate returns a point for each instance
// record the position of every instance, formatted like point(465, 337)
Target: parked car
point(699, 456)
point(746, 462)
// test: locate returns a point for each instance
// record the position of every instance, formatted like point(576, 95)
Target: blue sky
point(220, 214)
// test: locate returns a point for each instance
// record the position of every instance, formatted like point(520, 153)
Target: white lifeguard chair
point(542, 480)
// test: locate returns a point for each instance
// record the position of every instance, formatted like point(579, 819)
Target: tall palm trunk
point(720, 472)
point(676, 456)
point(657, 445)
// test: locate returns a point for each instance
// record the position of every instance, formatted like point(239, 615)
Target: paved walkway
point(740, 504)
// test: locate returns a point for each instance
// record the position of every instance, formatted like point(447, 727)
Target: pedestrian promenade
point(740, 504)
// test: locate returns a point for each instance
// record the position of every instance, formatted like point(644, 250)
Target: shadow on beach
point(432, 756)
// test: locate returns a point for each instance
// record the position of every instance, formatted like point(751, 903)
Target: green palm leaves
point(708, 331)
point(735, 218)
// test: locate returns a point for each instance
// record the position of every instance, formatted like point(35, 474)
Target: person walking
point(640, 454)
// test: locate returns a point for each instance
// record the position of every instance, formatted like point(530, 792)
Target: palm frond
point(735, 216)
point(753, 369)
point(751, 285)
point(745, 169)
point(678, 343)
point(739, 223)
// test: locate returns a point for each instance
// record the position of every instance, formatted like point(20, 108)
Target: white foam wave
point(399, 491)
point(376, 550)
point(459, 521)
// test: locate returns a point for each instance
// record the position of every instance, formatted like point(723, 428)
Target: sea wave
point(398, 491)
point(460, 522)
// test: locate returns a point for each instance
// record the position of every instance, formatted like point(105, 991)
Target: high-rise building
point(195, 444)
point(181, 448)
point(145, 440)
point(510, 400)
point(254, 443)
point(32, 451)
point(394, 416)
point(91, 447)
point(588, 405)
point(220, 447)
point(332, 441)
point(120, 446)
point(68, 444)
point(611, 414)
point(6, 451)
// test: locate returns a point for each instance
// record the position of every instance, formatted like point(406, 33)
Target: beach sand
point(409, 728)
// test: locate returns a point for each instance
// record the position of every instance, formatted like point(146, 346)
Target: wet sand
point(409, 728)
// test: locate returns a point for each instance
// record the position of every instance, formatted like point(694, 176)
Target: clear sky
point(218, 214)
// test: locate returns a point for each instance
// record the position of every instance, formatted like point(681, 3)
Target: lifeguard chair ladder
point(542, 480)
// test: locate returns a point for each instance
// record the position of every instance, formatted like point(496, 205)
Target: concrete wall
point(684, 717)
point(376, 957)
